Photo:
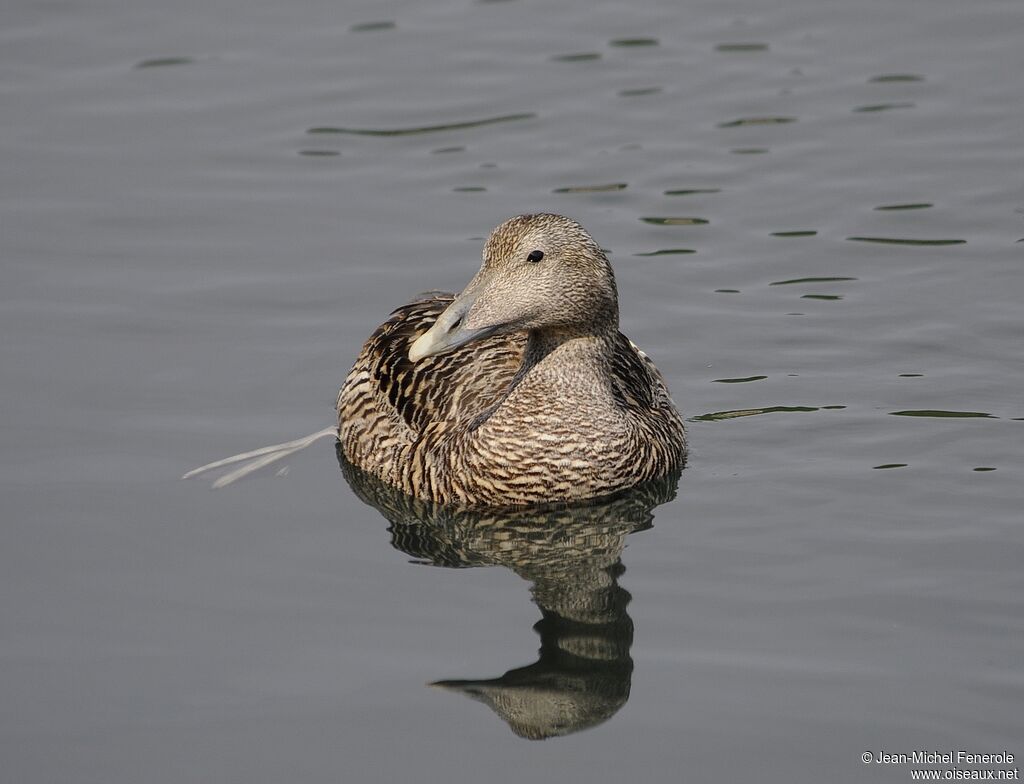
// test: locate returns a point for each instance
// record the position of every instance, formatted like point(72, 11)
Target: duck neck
point(552, 347)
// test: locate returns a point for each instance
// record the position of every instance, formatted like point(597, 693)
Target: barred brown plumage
point(520, 390)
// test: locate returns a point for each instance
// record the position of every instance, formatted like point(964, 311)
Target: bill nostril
point(455, 324)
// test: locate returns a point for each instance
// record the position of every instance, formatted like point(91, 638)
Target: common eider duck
point(520, 390)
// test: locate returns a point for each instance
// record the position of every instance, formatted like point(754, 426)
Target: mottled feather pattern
point(555, 404)
point(418, 426)
point(389, 407)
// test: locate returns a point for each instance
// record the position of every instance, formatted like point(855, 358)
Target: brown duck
point(520, 390)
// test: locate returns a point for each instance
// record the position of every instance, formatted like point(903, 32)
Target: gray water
point(207, 206)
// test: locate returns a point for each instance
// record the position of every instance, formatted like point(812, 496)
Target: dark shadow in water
point(571, 556)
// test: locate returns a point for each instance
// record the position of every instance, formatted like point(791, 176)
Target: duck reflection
point(571, 555)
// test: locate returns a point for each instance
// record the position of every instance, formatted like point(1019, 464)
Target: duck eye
point(535, 256)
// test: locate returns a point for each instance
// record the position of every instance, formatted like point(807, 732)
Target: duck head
point(540, 272)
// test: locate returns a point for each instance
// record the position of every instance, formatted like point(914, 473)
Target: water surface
point(814, 210)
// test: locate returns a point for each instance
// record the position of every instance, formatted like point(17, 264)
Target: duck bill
point(449, 331)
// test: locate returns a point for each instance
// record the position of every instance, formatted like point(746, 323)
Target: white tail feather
point(259, 458)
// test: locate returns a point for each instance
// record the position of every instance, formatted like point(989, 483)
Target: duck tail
point(259, 458)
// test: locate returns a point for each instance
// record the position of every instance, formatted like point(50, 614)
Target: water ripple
point(676, 221)
point(631, 93)
point(691, 191)
point(368, 27)
point(884, 107)
point(163, 62)
point(756, 121)
point(421, 129)
point(605, 188)
point(633, 42)
point(896, 78)
point(577, 57)
point(913, 206)
point(795, 281)
point(745, 380)
point(742, 47)
point(667, 252)
point(718, 416)
point(904, 241)
point(944, 414)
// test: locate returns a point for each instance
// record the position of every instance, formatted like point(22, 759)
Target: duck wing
point(636, 381)
point(387, 400)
